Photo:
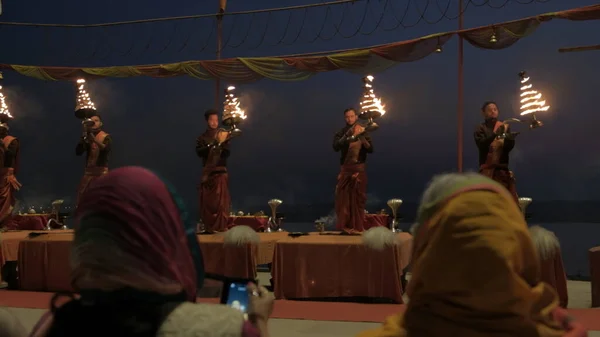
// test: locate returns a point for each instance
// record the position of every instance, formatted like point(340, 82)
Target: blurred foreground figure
point(475, 269)
point(96, 144)
point(351, 189)
point(10, 326)
point(213, 193)
point(9, 185)
point(494, 142)
point(137, 266)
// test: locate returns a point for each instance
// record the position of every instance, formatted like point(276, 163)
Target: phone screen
point(237, 296)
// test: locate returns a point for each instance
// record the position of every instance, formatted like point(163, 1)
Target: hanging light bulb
point(438, 47)
point(493, 38)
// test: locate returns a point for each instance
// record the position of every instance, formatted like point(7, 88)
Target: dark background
point(286, 149)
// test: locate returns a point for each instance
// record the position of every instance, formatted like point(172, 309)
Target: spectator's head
point(475, 268)
point(132, 233)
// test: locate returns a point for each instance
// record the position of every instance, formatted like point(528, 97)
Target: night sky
point(286, 148)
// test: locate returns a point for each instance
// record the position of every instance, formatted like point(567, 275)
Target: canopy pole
point(576, 49)
point(460, 85)
point(219, 47)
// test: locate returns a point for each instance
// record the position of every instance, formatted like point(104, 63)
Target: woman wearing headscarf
point(137, 265)
point(475, 270)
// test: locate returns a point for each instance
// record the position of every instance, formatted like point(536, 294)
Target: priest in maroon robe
point(494, 142)
point(213, 192)
point(96, 145)
point(9, 185)
point(351, 189)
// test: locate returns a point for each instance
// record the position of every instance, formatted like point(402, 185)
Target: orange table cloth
point(237, 261)
point(44, 260)
point(44, 263)
point(9, 245)
point(255, 222)
point(329, 266)
point(31, 222)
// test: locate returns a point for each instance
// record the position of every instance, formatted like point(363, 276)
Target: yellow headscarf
point(475, 271)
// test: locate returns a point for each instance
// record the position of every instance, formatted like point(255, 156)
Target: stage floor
point(298, 319)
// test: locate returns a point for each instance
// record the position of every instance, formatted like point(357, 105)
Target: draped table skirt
point(334, 266)
point(44, 260)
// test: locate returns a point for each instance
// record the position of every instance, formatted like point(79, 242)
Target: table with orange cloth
point(332, 266)
point(255, 222)
point(9, 245)
point(237, 261)
point(44, 260)
point(553, 273)
point(30, 222)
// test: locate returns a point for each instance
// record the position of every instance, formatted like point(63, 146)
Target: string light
point(231, 106)
point(531, 100)
point(370, 102)
point(83, 97)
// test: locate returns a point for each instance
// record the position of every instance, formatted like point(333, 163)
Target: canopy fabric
point(301, 67)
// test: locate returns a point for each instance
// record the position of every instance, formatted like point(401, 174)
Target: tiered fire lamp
point(531, 101)
point(371, 107)
point(84, 107)
point(5, 115)
point(233, 115)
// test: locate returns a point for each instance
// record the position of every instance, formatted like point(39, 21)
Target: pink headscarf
point(131, 233)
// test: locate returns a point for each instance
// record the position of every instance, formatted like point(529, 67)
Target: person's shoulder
point(198, 319)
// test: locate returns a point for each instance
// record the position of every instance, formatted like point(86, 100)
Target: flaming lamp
point(274, 223)
point(84, 107)
point(530, 102)
point(5, 115)
point(523, 203)
point(394, 204)
point(371, 107)
point(233, 115)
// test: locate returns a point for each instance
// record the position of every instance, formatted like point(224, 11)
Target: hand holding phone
point(235, 294)
point(261, 303)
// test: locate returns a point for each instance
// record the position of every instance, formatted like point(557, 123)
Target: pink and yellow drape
point(301, 67)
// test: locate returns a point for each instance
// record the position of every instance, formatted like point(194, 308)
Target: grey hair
point(437, 186)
